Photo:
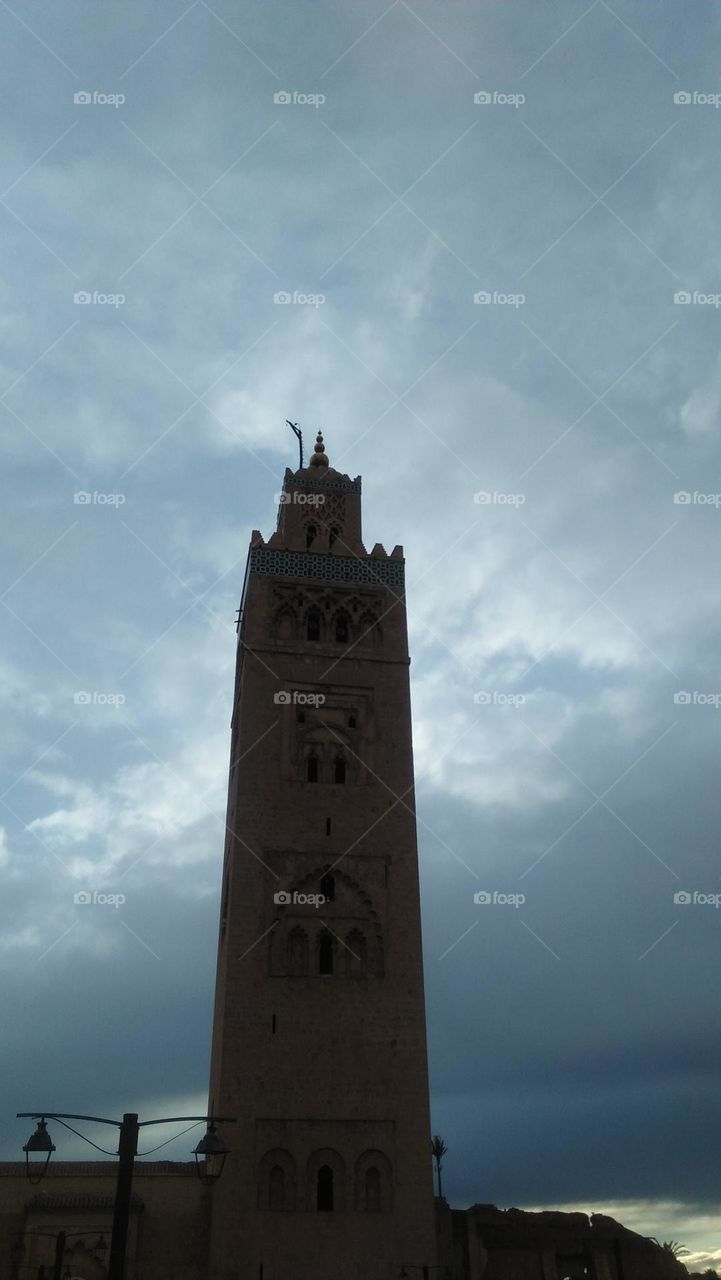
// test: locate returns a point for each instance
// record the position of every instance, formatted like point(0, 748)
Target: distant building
point(319, 1041)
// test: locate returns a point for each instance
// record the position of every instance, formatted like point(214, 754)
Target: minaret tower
point(319, 1043)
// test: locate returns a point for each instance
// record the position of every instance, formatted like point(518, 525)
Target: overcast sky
point(574, 1038)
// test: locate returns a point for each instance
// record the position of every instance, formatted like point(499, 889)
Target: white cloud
point(150, 806)
point(701, 411)
point(665, 1220)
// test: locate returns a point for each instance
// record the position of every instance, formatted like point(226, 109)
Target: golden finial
point(319, 458)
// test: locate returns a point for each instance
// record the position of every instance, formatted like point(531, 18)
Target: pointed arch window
point(312, 628)
point(312, 769)
point(310, 536)
point(276, 1188)
point(327, 887)
point(373, 1183)
point(297, 952)
point(341, 630)
point(356, 954)
point(333, 535)
point(325, 954)
point(276, 1181)
point(373, 1190)
point(339, 770)
point(324, 1189)
point(369, 632)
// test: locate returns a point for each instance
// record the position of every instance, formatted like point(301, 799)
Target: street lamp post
point(59, 1255)
point(127, 1151)
point(210, 1146)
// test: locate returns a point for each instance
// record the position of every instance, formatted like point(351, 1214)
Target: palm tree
point(438, 1150)
point(673, 1247)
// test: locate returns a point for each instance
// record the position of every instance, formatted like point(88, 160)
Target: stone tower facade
point(319, 1044)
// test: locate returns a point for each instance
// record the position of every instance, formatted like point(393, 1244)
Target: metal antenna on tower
point(296, 429)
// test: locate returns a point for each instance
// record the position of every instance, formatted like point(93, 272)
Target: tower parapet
point(319, 515)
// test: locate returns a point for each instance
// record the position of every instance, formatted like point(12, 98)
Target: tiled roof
point(102, 1169)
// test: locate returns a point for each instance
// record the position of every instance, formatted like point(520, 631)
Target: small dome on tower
point(319, 458)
